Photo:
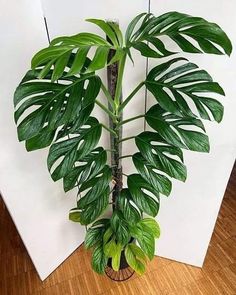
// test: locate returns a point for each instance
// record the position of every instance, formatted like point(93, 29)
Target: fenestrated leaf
point(116, 29)
point(172, 128)
point(103, 222)
point(60, 65)
point(56, 103)
point(93, 236)
point(131, 27)
point(184, 80)
point(42, 140)
point(159, 154)
point(93, 163)
point(62, 48)
point(158, 181)
point(108, 30)
point(96, 232)
point(72, 149)
point(204, 104)
point(99, 259)
point(146, 203)
point(89, 213)
point(135, 258)
point(95, 186)
point(79, 61)
point(99, 59)
point(183, 29)
point(131, 214)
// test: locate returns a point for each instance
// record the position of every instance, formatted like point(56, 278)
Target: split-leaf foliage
point(54, 104)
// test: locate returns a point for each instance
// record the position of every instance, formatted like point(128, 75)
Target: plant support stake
point(116, 146)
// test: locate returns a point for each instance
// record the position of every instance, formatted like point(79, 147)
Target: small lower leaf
point(120, 227)
point(93, 237)
point(74, 216)
point(150, 225)
point(99, 260)
point(116, 257)
point(135, 258)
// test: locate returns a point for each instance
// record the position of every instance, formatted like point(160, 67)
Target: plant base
point(124, 273)
point(119, 276)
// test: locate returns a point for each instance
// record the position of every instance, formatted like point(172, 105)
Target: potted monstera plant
point(54, 106)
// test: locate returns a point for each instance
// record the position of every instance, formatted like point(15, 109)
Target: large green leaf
point(175, 129)
point(93, 163)
point(56, 56)
point(124, 202)
point(145, 202)
point(161, 155)
point(158, 181)
point(183, 29)
point(116, 257)
point(111, 30)
point(110, 248)
point(99, 259)
point(96, 198)
point(145, 232)
point(94, 187)
point(56, 104)
point(113, 250)
point(120, 227)
point(150, 225)
point(71, 150)
point(135, 258)
point(145, 240)
point(184, 80)
point(74, 215)
point(90, 212)
point(93, 236)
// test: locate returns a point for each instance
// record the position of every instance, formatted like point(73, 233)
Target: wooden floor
point(74, 276)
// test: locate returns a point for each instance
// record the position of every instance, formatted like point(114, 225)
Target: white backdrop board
point(38, 206)
point(188, 216)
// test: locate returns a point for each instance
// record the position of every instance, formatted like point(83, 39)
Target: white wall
point(38, 206)
point(188, 216)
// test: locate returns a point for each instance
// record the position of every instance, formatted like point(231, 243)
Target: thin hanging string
point(146, 73)
point(47, 31)
point(78, 195)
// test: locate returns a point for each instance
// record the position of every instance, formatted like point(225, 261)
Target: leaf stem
point(130, 119)
point(119, 83)
point(127, 100)
point(126, 138)
point(109, 130)
point(108, 96)
point(105, 109)
point(126, 156)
